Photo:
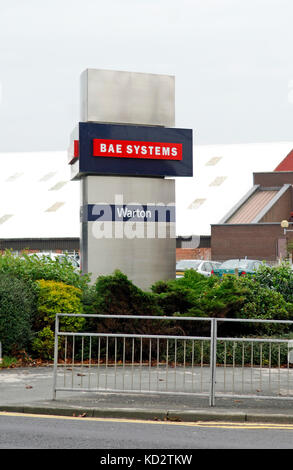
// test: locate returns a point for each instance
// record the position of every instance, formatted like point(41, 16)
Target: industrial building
point(40, 205)
point(252, 228)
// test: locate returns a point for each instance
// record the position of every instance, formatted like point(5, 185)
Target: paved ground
point(29, 390)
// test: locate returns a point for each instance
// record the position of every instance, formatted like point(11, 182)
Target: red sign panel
point(76, 148)
point(136, 149)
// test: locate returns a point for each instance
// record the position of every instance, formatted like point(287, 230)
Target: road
point(19, 431)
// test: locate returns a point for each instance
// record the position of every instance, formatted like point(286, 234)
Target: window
point(48, 176)
point(213, 161)
point(58, 186)
point(196, 203)
point(55, 207)
point(187, 264)
point(207, 267)
point(13, 177)
point(218, 181)
point(4, 218)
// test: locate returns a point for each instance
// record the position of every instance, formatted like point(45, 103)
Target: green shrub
point(43, 343)
point(232, 297)
point(117, 295)
point(266, 304)
point(180, 295)
point(7, 362)
point(278, 279)
point(55, 297)
point(32, 268)
point(17, 307)
point(194, 295)
point(221, 299)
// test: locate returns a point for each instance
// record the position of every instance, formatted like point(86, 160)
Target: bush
point(43, 343)
point(197, 296)
point(55, 297)
point(180, 295)
point(221, 299)
point(117, 295)
point(231, 297)
point(265, 304)
point(17, 305)
point(32, 268)
point(278, 279)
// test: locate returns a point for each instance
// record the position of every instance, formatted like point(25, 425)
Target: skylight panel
point(196, 203)
point(47, 176)
point(218, 181)
point(55, 207)
point(4, 218)
point(58, 186)
point(213, 161)
point(14, 177)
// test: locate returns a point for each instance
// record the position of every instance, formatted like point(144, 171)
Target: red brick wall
point(256, 241)
point(273, 178)
point(193, 253)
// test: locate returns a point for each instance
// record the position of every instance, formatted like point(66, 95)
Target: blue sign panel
point(112, 149)
point(128, 212)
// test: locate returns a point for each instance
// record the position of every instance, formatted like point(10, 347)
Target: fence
point(204, 364)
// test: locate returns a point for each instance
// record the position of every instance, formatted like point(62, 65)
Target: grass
point(8, 362)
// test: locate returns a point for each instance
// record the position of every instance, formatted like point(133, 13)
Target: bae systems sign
point(129, 149)
point(106, 149)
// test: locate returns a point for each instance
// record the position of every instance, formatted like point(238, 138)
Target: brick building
point(252, 227)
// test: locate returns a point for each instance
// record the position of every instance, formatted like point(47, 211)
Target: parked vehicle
point(203, 267)
point(244, 266)
point(59, 256)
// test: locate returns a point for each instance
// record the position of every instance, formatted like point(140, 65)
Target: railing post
point(213, 360)
point(55, 356)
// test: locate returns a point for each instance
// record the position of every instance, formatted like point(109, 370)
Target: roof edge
point(239, 204)
point(271, 203)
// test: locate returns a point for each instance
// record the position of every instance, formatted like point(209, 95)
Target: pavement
point(30, 390)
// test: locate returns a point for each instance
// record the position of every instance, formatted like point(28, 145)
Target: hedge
point(17, 308)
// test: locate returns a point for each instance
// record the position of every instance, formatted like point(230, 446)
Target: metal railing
point(206, 364)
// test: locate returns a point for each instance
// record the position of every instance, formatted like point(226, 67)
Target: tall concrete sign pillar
point(124, 150)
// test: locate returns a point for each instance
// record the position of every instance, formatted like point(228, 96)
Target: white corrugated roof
point(32, 183)
point(38, 200)
point(219, 183)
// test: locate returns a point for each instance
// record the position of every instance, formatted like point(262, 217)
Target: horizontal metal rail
point(150, 317)
point(132, 335)
point(254, 340)
point(134, 317)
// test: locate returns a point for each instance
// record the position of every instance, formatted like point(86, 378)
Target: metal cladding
point(111, 96)
point(128, 224)
point(252, 207)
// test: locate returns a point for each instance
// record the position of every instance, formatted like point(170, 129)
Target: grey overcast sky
point(232, 59)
